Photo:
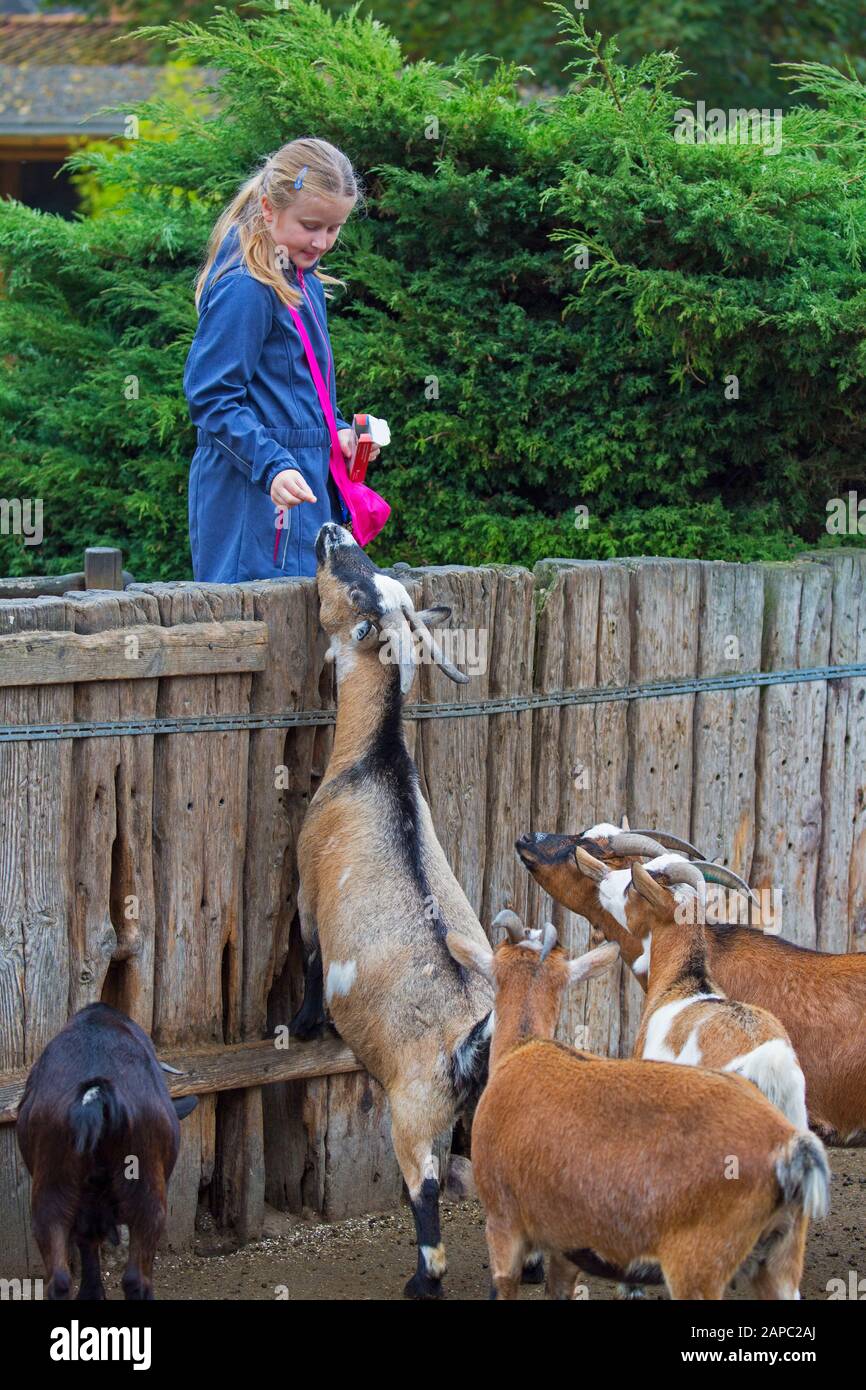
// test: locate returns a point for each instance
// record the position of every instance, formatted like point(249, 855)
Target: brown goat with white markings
point(377, 895)
point(618, 1166)
point(687, 1017)
point(818, 997)
point(99, 1134)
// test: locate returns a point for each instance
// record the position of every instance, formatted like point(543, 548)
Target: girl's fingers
point(289, 488)
point(289, 495)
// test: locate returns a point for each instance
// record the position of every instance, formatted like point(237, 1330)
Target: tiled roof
point(61, 100)
point(66, 40)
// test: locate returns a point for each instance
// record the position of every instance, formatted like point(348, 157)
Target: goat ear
point(593, 963)
point(650, 888)
point(471, 954)
point(184, 1106)
point(432, 617)
point(588, 865)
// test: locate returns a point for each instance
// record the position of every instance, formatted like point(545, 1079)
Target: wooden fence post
point(103, 567)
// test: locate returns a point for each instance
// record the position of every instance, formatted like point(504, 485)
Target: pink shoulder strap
point(368, 510)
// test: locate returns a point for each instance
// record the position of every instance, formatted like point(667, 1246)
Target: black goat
point(99, 1134)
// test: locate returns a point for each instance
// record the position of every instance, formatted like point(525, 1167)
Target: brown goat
point(625, 1164)
point(99, 1134)
point(818, 997)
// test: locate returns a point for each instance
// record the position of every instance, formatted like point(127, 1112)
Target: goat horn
point(669, 841)
point(684, 871)
point(635, 842)
point(174, 1070)
point(548, 941)
point(511, 923)
point(432, 646)
point(717, 873)
point(624, 822)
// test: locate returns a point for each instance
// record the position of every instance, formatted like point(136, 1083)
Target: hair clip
point(300, 179)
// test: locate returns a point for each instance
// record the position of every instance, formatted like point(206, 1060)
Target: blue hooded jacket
point(254, 404)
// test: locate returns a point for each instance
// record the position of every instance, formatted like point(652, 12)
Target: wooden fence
point(157, 870)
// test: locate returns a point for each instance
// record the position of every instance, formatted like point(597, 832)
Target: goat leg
point(562, 1278)
point(310, 1019)
point(414, 1150)
point(146, 1224)
point(506, 1247)
point(52, 1237)
point(92, 1287)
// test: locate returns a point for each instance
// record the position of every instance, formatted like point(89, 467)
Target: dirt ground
point(370, 1258)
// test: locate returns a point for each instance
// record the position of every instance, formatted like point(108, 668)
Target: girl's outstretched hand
point(289, 488)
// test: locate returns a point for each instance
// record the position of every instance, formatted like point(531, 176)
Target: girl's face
point(309, 227)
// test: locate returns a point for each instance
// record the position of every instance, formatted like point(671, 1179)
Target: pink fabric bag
point(368, 510)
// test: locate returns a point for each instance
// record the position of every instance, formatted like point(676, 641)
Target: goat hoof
point(533, 1273)
point(93, 1293)
point(421, 1286)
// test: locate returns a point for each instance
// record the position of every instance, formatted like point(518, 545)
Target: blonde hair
point(328, 174)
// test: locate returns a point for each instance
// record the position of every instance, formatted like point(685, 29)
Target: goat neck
point(529, 994)
point(369, 709)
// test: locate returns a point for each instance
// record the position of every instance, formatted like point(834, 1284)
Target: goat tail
point(804, 1174)
point(96, 1111)
point(469, 1062)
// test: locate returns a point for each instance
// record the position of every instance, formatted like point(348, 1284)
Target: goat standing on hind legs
point(377, 897)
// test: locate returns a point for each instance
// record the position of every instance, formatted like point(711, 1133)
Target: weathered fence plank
point(580, 752)
point(219, 1067)
point(280, 787)
point(510, 645)
point(665, 602)
point(140, 652)
point(841, 884)
point(35, 902)
point(453, 757)
point(726, 721)
point(111, 827)
point(797, 611)
point(199, 827)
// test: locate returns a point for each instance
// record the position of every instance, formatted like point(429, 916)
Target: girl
point(264, 475)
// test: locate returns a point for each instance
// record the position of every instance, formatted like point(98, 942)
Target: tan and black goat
point(819, 997)
point(377, 897)
point(621, 1166)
